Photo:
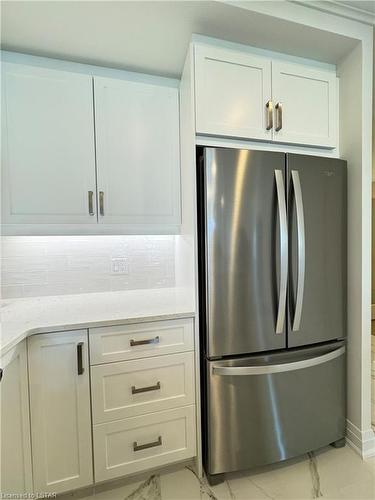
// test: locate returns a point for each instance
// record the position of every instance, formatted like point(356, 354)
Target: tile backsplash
point(57, 265)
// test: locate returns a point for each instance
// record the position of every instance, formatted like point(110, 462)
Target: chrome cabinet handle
point(101, 202)
point(80, 368)
point(269, 107)
point(139, 447)
point(155, 387)
point(283, 251)
point(282, 367)
point(155, 340)
point(279, 116)
point(91, 202)
point(301, 250)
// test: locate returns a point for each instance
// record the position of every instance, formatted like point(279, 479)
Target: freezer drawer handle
point(283, 251)
point(155, 340)
point(301, 250)
point(285, 367)
point(139, 447)
point(149, 388)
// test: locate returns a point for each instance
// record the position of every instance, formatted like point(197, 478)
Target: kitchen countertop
point(23, 317)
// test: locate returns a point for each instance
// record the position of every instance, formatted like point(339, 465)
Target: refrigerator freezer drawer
point(265, 409)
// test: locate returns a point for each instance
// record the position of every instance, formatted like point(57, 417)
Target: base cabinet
point(60, 411)
point(143, 412)
point(140, 443)
point(131, 388)
point(16, 475)
point(143, 397)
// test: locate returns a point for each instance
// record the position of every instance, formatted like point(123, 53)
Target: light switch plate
point(120, 266)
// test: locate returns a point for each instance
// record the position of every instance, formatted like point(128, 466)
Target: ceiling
point(151, 36)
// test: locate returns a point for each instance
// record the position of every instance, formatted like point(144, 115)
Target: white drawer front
point(140, 443)
point(140, 340)
point(130, 388)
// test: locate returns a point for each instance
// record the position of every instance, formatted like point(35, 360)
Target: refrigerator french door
point(272, 255)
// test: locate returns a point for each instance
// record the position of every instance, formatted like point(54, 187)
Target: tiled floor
point(330, 473)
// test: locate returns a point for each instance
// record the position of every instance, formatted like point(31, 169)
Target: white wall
point(56, 265)
point(350, 145)
point(354, 130)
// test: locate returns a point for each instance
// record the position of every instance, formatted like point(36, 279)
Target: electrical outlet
point(120, 266)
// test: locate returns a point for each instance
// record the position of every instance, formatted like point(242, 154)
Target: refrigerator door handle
point(283, 251)
point(283, 367)
point(301, 250)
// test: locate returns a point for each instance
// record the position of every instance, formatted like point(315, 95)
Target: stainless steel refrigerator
point(272, 280)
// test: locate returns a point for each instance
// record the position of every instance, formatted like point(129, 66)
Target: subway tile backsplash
point(57, 265)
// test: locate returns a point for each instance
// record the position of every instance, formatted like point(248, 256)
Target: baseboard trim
point(362, 442)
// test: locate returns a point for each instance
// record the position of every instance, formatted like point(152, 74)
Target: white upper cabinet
point(49, 155)
point(240, 95)
point(305, 104)
point(232, 90)
point(137, 145)
point(55, 182)
point(60, 411)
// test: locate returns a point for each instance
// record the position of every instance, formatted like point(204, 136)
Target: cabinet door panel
point(232, 89)
point(123, 342)
point(16, 476)
point(48, 131)
point(137, 140)
point(171, 433)
point(308, 98)
point(130, 388)
point(60, 412)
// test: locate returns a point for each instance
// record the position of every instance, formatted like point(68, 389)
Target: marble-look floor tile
point(291, 481)
point(332, 474)
point(358, 491)
point(181, 484)
point(148, 490)
point(343, 469)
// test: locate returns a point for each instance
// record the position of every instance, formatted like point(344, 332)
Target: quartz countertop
point(23, 317)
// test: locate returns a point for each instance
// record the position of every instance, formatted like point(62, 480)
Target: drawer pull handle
point(155, 387)
point(139, 447)
point(155, 340)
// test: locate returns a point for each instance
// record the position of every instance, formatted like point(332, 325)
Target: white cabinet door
point(232, 89)
point(16, 476)
point(60, 411)
point(137, 141)
point(308, 104)
point(49, 158)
